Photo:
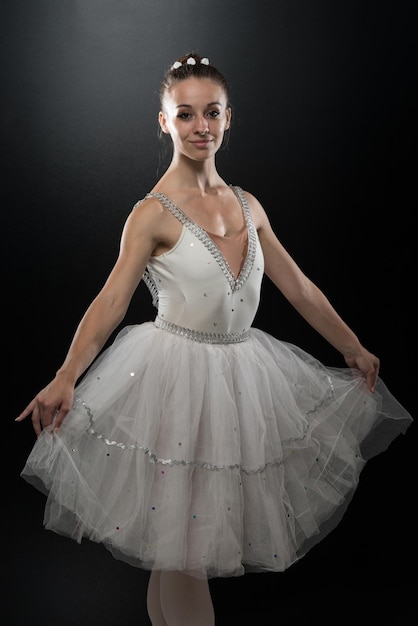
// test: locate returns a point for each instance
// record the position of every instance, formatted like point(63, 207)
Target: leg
point(185, 600)
point(153, 600)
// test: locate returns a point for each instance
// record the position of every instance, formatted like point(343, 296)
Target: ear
point(228, 114)
point(163, 123)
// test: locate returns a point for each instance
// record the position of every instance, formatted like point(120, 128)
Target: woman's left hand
point(367, 363)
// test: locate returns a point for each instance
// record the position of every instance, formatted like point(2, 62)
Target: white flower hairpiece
point(190, 61)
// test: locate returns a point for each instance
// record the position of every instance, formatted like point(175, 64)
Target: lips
point(202, 143)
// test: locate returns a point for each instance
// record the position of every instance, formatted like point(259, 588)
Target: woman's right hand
point(50, 405)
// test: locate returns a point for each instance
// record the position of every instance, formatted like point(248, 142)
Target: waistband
point(201, 336)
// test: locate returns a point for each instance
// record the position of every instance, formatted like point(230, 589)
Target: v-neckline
point(235, 282)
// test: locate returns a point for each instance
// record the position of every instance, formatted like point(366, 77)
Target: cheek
point(175, 132)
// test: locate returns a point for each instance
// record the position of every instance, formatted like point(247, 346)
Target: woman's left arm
point(309, 300)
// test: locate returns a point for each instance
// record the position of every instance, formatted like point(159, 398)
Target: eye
point(184, 115)
point(214, 113)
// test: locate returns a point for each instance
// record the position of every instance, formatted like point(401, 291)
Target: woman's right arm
point(141, 233)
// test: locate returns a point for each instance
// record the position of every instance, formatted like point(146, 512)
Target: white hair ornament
point(190, 61)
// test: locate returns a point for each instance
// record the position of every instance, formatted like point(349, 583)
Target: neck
point(199, 175)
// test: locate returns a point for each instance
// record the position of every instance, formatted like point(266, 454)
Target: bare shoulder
point(150, 219)
point(147, 208)
point(147, 214)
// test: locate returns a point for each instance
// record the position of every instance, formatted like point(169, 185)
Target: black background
point(324, 134)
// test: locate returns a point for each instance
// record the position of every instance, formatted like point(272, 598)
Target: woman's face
point(195, 114)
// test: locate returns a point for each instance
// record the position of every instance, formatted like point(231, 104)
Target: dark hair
point(186, 70)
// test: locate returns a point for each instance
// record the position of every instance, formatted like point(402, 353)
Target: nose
point(202, 126)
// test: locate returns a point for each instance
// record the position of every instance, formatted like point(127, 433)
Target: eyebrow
point(190, 106)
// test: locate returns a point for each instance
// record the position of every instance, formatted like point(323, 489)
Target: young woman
point(196, 445)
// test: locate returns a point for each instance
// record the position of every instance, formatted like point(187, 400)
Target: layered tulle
point(221, 459)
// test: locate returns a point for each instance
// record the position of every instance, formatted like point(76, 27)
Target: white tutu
point(216, 450)
point(180, 455)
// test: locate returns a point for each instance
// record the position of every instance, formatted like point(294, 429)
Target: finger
point(48, 416)
point(59, 418)
point(26, 412)
point(371, 379)
point(36, 422)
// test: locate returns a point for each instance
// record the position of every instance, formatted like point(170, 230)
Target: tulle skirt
point(211, 459)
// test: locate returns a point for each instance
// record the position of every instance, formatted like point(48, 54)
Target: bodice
point(194, 288)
